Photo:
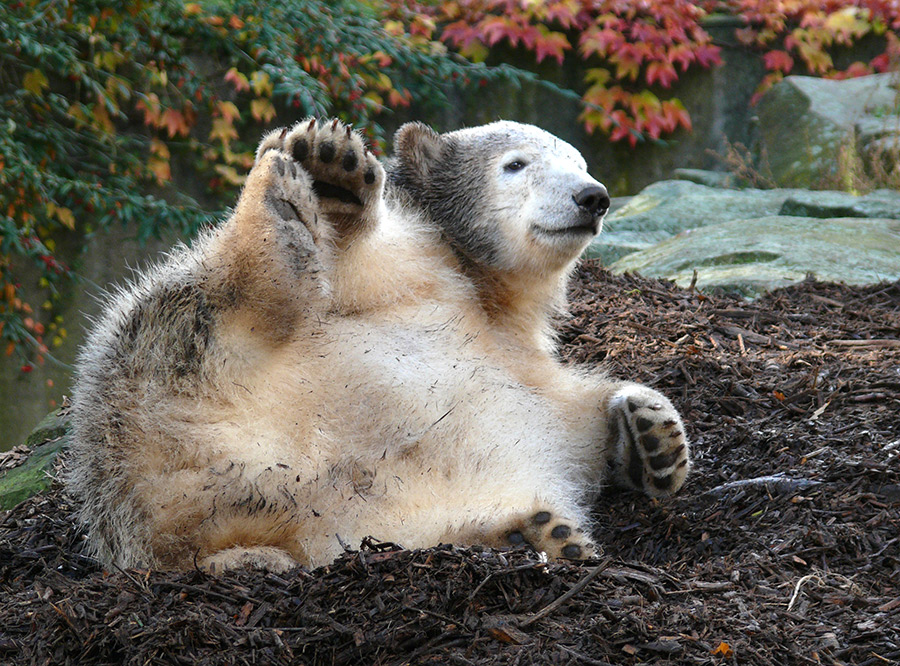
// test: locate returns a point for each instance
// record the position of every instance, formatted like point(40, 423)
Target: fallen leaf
point(724, 650)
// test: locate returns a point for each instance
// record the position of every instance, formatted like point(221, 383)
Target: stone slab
point(756, 255)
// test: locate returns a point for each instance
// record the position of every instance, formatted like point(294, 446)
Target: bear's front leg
point(647, 447)
point(347, 179)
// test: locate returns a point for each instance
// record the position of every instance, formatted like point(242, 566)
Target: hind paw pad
point(647, 436)
point(546, 532)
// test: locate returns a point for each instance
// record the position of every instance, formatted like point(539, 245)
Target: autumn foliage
point(102, 100)
point(633, 52)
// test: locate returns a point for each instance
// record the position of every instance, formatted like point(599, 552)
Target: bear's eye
point(515, 165)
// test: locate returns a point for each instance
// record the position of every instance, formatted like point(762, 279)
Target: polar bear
point(363, 349)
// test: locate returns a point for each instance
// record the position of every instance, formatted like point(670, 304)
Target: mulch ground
point(783, 547)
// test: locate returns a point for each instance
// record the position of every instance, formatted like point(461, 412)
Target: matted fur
point(358, 353)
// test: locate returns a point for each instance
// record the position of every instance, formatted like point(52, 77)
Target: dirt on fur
point(782, 548)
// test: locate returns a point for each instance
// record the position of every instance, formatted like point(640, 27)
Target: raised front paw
point(347, 178)
point(646, 435)
point(285, 191)
point(550, 533)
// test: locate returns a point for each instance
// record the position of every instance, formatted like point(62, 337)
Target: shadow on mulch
point(783, 547)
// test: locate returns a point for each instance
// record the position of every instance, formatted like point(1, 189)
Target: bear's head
point(508, 196)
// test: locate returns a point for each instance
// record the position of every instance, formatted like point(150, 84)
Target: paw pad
point(347, 178)
point(645, 432)
point(561, 532)
point(547, 532)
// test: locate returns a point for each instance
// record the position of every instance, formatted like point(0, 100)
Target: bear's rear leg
point(274, 253)
point(268, 558)
point(347, 179)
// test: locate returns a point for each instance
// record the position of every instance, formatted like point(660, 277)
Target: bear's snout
point(594, 199)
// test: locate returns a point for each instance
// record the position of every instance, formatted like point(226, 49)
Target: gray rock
point(755, 255)
point(807, 203)
point(705, 177)
point(805, 121)
point(672, 206)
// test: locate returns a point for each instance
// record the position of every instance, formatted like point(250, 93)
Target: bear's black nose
point(594, 199)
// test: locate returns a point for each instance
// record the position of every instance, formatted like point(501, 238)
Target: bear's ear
point(418, 148)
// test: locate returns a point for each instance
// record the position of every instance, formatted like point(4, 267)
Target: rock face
point(756, 255)
point(806, 203)
point(753, 240)
point(672, 206)
point(804, 122)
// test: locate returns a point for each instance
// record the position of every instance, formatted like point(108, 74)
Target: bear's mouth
point(590, 228)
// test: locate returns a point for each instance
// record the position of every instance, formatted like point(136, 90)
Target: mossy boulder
point(669, 207)
point(34, 475)
point(805, 121)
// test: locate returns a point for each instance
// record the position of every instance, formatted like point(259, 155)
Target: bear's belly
point(398, 398)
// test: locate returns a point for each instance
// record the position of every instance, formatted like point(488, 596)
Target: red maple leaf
point(552, 45)
point(779, 61)
point(662, 73)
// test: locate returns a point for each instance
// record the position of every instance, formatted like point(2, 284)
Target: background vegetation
point(103, 104)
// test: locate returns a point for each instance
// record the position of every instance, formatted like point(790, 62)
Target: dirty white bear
point(363, 349)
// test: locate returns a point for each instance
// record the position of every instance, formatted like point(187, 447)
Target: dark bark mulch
point(783, 547)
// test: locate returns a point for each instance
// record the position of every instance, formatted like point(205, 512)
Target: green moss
point(33, 476)
point(731, 259)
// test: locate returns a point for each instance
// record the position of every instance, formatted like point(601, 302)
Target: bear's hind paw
point(268, 558)
point(646, 434)
point(549, 533)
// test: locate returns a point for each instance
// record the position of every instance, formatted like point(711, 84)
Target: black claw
point(312, 124)
point(643, 425)
point(515, 538)
point(350, 161)
point(334, 124)
point(572, 551)
point(284, 131)
point(370, 176)
point(541, 517)
point(649, 442)
point(561, 532)
point(669, 423)
point(327, 152)
point(300, 151)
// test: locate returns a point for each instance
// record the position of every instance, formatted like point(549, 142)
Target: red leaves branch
point(647, 45)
